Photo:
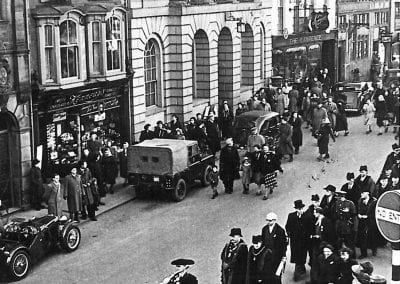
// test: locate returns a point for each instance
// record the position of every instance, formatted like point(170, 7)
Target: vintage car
point(351, 94)
point(391, 77)
point(23, 243)
point(267, 124)
point(168, 166)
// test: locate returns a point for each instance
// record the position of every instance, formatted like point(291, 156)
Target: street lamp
point(241, 27)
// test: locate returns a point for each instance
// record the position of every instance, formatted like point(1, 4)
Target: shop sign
point(100, 106)
point(59, 116)
point(76, 99)
point(99, 117)
point(300, 40)
point(386, 39)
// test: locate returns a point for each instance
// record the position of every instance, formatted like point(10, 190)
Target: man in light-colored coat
point(56, 190)
point(73, 193)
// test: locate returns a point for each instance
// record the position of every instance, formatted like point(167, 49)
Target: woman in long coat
point(73, 192)
point(110, 170)
point(319, 114)
point(212, 135)
point(280, 102)
point(229, 163)
point(341, 119)
point(323, 138)
point(89, 200)
point(381, 113)
point(297, 136)
point(123, 162)
point(55, 201)
point(285, 140)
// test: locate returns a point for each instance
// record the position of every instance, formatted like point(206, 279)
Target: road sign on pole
point(387, 215)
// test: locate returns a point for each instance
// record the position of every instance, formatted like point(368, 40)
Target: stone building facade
point(359, 38)
point(15, 122)
point(187, 55)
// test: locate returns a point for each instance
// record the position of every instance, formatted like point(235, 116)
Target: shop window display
point(314, 61)
point(296, 63)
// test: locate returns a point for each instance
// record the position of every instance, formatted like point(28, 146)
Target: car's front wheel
point(179, 192)
point(71, 239)
point(19, 265)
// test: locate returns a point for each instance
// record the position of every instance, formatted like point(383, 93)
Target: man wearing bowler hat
point(259, 263)
point(181, 276)
point(274, 238)
point(348, 187)
point(309, 224)
point(345, 221)
point(328, 202)
point(234, 259)
point(363, 182)
point(295, 229)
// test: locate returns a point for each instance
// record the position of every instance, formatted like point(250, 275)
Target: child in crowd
point(246, 175)
point(214, 179)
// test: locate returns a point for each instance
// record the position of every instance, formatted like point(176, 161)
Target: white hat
point(271, 216)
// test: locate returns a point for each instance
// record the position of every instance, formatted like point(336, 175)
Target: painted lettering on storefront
point(305, 39)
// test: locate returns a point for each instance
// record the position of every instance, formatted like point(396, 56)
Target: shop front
point(295, 57)
point(65, 120)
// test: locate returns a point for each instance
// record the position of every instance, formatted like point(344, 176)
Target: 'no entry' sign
point(387, 214)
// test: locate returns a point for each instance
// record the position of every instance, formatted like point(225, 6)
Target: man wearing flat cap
point(259, 263)
point(328, 202)
point(181, 276)
point(345, 221)
point(367, 228)
point(274, 238)
point(234, 259)
point(363, 182)
point(295, 229)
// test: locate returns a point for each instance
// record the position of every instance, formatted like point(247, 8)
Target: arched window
point(114, 43)
point(152, 73)
point(68, 49)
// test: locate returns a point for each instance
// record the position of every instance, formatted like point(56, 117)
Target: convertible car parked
point(23, 243)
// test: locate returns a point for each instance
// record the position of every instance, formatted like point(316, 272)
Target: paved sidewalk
point(121, 196)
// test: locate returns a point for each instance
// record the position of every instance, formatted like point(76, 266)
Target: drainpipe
point(131, 139)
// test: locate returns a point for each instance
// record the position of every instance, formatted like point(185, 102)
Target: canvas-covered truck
point(168, 166)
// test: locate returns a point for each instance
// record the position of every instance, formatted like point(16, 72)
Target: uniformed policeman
point(345, 221)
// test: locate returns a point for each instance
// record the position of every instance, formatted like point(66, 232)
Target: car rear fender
point(16, 249)
point(65, 228)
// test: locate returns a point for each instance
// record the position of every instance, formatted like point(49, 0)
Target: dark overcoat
point(110, 169)
point(234, 263)
point(259, 266)
point(73, 192)
point(323, 138)
point(295, 229)
point(276, 241)
point(328, 207)
point(297, 136)
point(123, 163)
point(319, 114)
point(341, 118)
point(188, 278)
point(55, 201)
point(285, 140)
point(213, 136)
point(229, 163)
point(345, 272)
point(327, 270)
point(146, 135)
point(36, 182)
point(86, 177)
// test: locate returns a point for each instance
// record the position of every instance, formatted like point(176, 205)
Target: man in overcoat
point(363, 182)
point(36, 185)
point(212, 134)
point(295, 229)
point(309, 220)
point(229, 163)
point(55, 201)
point(73, 193)
point(319, 114)
point(367, 228)
point(328, 202)
point(234, 259)
point(345, 221)
point(285, 140)
point(123, 162)
point(274, 238)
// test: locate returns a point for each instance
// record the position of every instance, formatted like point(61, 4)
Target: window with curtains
point(96, 46)
point(49, 52)
point(69, 49)
point(151, 73)
point(114, 43)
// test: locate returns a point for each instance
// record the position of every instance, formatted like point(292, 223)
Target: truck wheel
point(179, 192)
point(72, 239)
point(205, 178)
point(19, 265)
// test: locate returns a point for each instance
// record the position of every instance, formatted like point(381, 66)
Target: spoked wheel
point(71, 239)
point(179, 192)
point(19, 265)
point(205, 178)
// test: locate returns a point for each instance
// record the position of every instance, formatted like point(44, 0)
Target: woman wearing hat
point(323, 139)
point(234, 259)
point(259, 263)
point(381, 113)
point(181, 276)
point(346, 262)
point(327, 265)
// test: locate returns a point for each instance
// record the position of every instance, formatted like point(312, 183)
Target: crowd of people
point(87, 183)
point(328, 232)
